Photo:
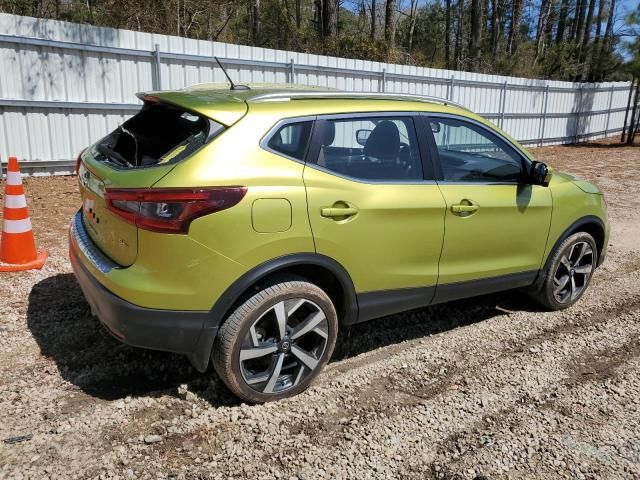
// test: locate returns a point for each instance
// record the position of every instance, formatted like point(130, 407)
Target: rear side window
point(158, 134)
point(291, 139)
point(371, 148)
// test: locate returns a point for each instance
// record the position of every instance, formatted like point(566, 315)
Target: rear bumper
point(185, 332)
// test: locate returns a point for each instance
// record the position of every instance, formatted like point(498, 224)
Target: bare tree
point(476, 32)
point(586, 36)
point(330, 18)
point(413, 13)
point(543, 19)
point(255, 22)
point(459, 34)
point(562, 21)
point(595, 49)
point(514, 26)
point(390, 23)
point(496, 26)
point(373, 19)
point(447, 34)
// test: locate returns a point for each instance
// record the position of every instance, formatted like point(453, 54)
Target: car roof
point(218, 101)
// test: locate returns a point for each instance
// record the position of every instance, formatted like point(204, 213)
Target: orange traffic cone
point(17, 245)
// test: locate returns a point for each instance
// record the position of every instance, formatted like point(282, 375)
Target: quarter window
point(469, 153)
point(291, 139)
point(371, 148)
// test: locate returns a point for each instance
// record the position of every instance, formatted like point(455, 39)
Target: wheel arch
point(590, 224)
point(318, 269)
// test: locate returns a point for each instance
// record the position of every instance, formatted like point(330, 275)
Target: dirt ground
point(490, 387)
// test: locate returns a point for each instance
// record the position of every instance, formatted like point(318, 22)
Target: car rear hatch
point(170, 127)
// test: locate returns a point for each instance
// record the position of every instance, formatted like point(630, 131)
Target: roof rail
point(302, 95)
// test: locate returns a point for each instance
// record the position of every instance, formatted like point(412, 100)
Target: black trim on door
point(388, 302)
point(483, 286)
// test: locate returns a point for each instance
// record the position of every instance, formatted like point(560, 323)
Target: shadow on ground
point(88, 357)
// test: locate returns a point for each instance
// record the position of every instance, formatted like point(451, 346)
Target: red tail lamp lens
point(170, 210)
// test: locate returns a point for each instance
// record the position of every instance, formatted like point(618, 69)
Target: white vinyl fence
point(64, 85)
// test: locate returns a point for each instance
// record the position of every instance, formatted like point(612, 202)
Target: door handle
point(464, 208)
point(333, 212)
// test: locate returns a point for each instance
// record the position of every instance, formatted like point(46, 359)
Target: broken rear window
point(158, 134)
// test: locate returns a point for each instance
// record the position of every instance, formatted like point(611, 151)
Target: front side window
point(291, 139)
point(371, 148)
point(470, 153)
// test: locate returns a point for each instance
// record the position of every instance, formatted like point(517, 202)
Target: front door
point(496, 222)
point(374, 208)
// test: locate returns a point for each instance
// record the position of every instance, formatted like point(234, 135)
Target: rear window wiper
point(113, 155)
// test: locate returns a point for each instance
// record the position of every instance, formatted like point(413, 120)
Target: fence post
point(543, 120)
point(576, 137)
point(292, 73)
point(156, 66)
point(450, 86)
point(383, 82)
point(606, 128)
point(504, 103)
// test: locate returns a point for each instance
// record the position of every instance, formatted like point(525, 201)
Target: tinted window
point(469, 153)
point(292, 139)
point(371, 148)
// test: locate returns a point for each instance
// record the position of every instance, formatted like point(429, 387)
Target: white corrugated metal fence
point(65, 85)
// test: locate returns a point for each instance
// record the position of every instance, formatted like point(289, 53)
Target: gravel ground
point(485, 388)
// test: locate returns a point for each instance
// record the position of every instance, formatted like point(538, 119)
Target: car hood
point(560, 177)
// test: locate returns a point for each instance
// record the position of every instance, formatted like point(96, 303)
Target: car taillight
point(78, 162)
point(170, 210)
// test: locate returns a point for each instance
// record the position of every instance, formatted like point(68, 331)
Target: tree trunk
point(255, 22)
point(562, 21)
point(476, 33)
point(514, 29)
point(459, 34)
point(330, 18)
point(594, 64)
point(586, 36)
point(373, 19)
point(298, 14)
point(447, 34)
point(390, 23)
point(543, 18)
point(413, 13)
point(581, 10)
point(632, 123)
point(496, 24)
point(607, 42)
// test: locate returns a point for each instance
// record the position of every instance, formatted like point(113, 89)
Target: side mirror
point(362, 136)
point(538, 173)
point(435, 126)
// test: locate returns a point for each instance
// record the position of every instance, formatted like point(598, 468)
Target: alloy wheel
point(573, 272)
point(283, 346)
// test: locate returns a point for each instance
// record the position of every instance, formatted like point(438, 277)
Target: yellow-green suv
point(248, 226)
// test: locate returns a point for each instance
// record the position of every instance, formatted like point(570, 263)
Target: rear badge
point(122, 243)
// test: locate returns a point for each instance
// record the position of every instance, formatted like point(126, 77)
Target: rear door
point(116, 238)
point(136, 155)
point(496, 221)
point(372, 202)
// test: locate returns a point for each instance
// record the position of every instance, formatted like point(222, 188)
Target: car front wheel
point(569, 272)
point(277, 341)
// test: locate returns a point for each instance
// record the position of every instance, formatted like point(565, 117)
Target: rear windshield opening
point(158, 134)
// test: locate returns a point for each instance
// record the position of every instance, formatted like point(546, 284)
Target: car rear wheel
point(277, 341)
point(569, 272)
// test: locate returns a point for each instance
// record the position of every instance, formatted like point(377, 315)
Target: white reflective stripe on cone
point(16, 226)
point(15, 201)
point(14, 178)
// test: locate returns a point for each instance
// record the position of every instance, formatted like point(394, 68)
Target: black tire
point(305, 302)
point(557, 267)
